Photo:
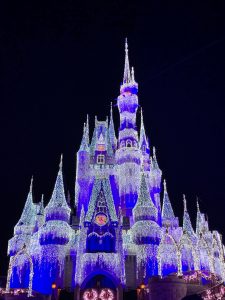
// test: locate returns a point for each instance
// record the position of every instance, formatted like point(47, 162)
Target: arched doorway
point(98, 287)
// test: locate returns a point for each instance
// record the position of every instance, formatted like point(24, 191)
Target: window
point(128, 143)
point(143, 148)
point(100, 159)
point(122, 144)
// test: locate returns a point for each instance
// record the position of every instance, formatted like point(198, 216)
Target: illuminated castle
point(119, 234)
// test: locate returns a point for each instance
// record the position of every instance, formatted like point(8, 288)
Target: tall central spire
point(126, 75)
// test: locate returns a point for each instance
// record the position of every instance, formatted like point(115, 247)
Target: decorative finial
point(198, 209)
point(126, 46)
point(61, 162)
point(154, 153)
point(141, 116)
point(87, 122)
point(126, 75)
point(164, 186)
point(41, 204)
point(31, 183)
point(185, 203)
point(111, 109)
point(132, 74)
point(84, 128)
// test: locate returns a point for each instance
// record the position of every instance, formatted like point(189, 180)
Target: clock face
point(101, 219)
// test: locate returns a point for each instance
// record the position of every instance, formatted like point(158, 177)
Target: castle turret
point(187, 226)
point(168, 217)
point(128, 155)
point(144, 208)
point(83, 171)
point(25, 226)
point(146, 233)
point(57, 216)
point(201, 223)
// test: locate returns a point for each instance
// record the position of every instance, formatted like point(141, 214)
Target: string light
point(127, 179)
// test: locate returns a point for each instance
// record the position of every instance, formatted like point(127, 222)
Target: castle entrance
point(99, 287)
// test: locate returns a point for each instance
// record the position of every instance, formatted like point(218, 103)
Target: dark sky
point(60, 60)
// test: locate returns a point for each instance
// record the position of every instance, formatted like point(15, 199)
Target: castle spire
point(84, 141)
point(187, 226)
point(87, 131)
point(197, 204)
point(154, 159)
point(144, 208)
point(58, 200)
point(28, 214)
point(126, 74)
point(61, 162)
point(41, 207)
point(143, 138)
point(167, 210)
point(132, 75)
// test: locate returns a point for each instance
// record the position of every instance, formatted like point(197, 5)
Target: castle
point(119, 235)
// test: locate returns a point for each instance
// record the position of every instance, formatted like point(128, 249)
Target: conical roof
point(187, 226)
point(58, 203)
point(144, 208)
point(84, 146)
point(29, 211)
point(167, 210)
point(143, 139)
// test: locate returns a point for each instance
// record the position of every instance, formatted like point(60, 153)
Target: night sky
point(60, 60)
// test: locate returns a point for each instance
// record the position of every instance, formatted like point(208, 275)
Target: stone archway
point(100, 286)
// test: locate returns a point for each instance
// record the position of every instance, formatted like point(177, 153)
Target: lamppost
point(54, 291)
point(141, 292)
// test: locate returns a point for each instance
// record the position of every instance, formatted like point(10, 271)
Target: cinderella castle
point(121, 234)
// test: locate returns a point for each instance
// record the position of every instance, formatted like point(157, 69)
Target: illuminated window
point(128, 143)
point(100, 159)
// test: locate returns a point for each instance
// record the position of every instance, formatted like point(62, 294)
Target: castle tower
point(82, 184)
point(54, 237)
point(25, 226)
point(146, 233)
point(128, 154)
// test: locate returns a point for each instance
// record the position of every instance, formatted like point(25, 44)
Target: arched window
point(143, 148)
point(122, 144)
point(101, 159)
point(128, 143)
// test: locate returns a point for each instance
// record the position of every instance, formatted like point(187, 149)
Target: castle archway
point(99, 286)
